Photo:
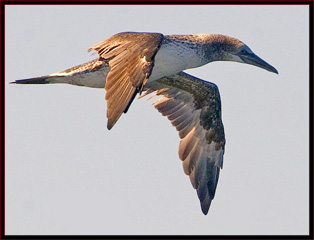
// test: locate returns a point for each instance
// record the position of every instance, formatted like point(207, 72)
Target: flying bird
point(132, 63)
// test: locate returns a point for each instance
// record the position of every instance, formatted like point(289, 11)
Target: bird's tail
point(91, 74)
point(40, 80)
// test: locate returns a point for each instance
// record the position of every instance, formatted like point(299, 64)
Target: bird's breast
point(175, 56)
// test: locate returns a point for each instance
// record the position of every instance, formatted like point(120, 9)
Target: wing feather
point(131, 59)
point(193, 107)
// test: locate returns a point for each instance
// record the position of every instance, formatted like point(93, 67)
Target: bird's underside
point(194, 109)
point(151, 63)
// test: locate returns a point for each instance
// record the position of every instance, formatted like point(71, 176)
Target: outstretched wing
point(131, 60)
point(193, 107)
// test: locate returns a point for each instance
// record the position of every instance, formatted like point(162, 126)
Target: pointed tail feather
point(40, 80)
point(91, 74)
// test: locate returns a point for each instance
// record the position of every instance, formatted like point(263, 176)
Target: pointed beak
point(252, 59)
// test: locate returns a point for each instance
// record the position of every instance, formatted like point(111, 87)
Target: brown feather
point(131, 58)
point(193, 107)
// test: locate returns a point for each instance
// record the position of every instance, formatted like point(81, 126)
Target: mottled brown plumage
point(194, 109)
point(131, 59)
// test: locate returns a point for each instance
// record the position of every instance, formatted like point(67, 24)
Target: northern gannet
point(130, 63)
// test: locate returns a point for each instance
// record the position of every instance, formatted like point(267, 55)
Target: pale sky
point(67, 174)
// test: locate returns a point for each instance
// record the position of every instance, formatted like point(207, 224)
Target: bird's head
point(225, 48)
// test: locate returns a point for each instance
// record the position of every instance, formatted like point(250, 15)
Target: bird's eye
point(243, 51)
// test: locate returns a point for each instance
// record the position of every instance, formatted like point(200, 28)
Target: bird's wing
point(193, 107)
point(131, 60)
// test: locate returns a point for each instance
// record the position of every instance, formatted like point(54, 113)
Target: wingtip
point(109, 126)
point(205, 210)
point(110, 123)
point(205, 204)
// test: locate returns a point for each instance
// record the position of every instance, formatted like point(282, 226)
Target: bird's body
point(131, 63)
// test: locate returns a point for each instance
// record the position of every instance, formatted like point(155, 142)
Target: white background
point(67, 174)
